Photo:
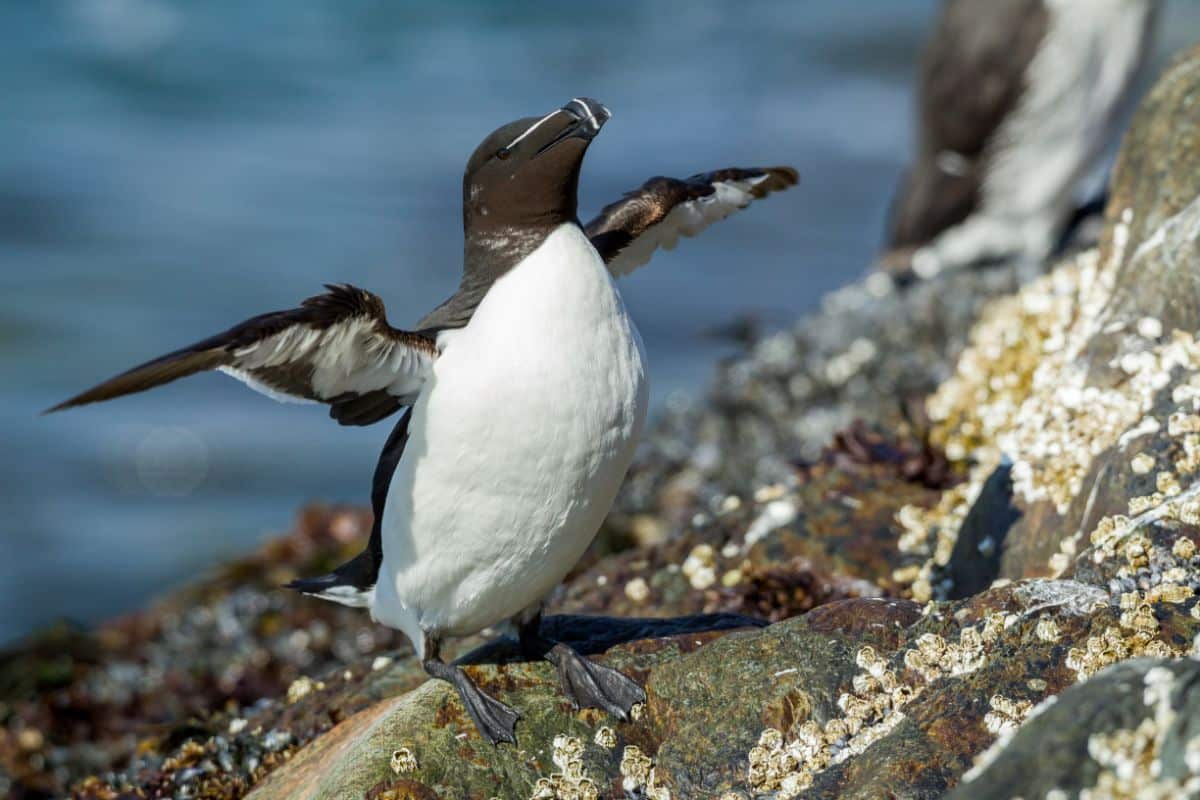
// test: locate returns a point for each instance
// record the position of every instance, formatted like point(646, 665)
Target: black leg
point(496, 722)
point(585, 683)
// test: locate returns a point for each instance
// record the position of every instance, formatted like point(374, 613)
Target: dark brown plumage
point(618, 224)
point(294, 374)
point(973, 72)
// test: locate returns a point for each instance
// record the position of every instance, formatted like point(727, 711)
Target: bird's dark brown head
point(526, 173)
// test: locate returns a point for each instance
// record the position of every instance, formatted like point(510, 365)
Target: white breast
point(517, 446)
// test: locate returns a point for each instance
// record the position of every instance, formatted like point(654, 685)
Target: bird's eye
point(503, 153)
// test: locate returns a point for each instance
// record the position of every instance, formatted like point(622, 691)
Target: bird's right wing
point(336, 348)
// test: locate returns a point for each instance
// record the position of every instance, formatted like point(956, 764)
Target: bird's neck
point(491, 251)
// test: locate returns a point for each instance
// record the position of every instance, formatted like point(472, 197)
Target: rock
point(1154, 217)
point(975, 561)
point(1159, 163)
point(1091, 399)
point(134, 690)
point(858, 698)
point(354, 758)
point(830, 535)
point(872, 352)
point(1107, 734)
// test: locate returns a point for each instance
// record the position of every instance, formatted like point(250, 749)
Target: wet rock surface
point(989, 589)
point(139, 692)
point(1106, 734)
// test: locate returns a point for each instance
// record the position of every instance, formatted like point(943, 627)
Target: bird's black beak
point(591, 115)
point(584, 117)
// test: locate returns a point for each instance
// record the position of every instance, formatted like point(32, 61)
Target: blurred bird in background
point(1016, 103)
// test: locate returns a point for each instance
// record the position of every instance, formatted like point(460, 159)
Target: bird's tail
point(352, 584)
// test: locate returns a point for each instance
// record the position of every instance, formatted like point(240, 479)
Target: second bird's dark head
point(526, 173)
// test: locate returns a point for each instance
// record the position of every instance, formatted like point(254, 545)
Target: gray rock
point(1105, 733)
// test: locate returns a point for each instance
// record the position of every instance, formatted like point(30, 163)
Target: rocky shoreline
point(986, 589)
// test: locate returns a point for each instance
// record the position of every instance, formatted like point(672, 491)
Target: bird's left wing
point(336, 348)
point(626, 233)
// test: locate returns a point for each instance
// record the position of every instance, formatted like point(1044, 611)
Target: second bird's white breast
point(517, 446)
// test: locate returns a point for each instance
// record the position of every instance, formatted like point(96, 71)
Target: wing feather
point(626, 233)
point(336, 348)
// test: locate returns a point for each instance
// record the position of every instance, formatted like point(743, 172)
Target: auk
point(1017, 101)
point(524, 395)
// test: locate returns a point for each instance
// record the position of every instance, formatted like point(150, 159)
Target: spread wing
point(336, 348)
point(626, 233)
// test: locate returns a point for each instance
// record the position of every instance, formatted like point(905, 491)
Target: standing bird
point(525, 392)
point(1017, 101)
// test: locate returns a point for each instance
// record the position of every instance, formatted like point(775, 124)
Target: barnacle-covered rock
point(1088, 379)
point(856, 698)
point(1129, 732)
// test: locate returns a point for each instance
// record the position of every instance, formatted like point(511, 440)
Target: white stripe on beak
point(530, 129)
